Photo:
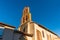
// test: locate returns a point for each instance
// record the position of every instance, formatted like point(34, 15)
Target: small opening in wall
point(23, 19)
point(43, 33)
point(26, 18)
point(24, 30)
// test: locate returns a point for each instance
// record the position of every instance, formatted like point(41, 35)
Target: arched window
point(23, 19)
point(26, 10)
point(26, 18)
point(43, 33)
point(48, 37)
point(39, 37)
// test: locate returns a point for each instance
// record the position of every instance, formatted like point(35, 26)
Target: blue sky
point(45, 12)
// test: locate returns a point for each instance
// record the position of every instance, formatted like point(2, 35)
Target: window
point(1, 30)
point(26, 10)
point(23, 19)
point(39, 37)
point(48, 37)
point(24, 30)
point(43, 33)
point(26, 18)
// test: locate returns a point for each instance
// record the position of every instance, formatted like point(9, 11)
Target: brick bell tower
point(26, 15)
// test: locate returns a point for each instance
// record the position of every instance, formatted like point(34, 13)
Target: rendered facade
point(28, 30)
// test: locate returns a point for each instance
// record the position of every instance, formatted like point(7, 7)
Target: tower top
point(26, 10)
point(26, 15)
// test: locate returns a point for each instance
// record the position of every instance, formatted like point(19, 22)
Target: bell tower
point(26, 25)
point(26, 15)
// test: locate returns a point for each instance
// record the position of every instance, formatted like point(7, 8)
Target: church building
point(37, 31)
point(28, 30)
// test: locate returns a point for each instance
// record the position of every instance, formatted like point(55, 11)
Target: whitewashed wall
point(45, 33)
